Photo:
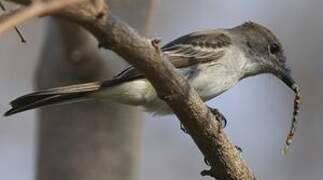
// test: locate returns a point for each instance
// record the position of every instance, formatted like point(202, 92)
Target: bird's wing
point(196, 48)
point(188, 50)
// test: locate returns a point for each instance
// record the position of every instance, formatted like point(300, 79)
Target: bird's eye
point(274, 48)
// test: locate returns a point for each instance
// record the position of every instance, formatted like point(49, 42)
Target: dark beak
point(284, 75)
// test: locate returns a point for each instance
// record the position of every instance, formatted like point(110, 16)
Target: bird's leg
point(219, 116)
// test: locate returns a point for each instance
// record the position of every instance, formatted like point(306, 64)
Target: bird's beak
point(284, 75)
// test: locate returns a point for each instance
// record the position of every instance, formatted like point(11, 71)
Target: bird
point(212, 61)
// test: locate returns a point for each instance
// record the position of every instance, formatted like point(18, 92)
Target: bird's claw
point(239, 148)
point(206, 162)
point(183, 128)
point(219, 116)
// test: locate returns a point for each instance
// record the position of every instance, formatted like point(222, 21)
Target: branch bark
point(225, 161)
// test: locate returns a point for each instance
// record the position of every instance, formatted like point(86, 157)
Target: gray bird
point(212, 61)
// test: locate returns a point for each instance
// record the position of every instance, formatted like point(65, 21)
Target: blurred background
point(258, 109)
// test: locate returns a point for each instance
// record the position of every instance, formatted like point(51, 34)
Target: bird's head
point(263, 48)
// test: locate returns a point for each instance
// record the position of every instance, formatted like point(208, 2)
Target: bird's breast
point(212, 79)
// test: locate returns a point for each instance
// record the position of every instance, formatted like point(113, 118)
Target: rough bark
point(89, 140)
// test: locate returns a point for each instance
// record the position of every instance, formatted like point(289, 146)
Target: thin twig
point(38, 8)
point(22, 39)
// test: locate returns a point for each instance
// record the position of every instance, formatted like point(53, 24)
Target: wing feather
point(188, 50)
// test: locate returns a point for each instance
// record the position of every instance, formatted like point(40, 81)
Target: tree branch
point(144, 54)
point(38, 8)
point(22, 2)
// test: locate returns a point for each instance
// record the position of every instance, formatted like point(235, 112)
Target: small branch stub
point(156, 44)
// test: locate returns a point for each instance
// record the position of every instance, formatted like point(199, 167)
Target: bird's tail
point(53, 96)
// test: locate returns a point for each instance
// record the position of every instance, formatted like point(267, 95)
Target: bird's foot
point(207, 162)
point(239, 148)
point(219, 116)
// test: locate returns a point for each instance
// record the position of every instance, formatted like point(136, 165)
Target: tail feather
point(52, 96)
